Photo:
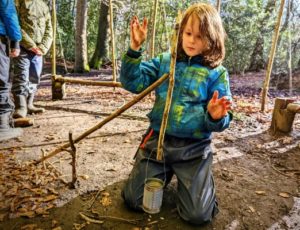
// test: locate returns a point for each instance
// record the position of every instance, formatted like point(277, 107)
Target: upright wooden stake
point(152, 51)
point(58, 88)
point(54, 38)
point(219, 6)
point(290, 53)
point(170, 89)
point(271, 58)
point(111, 17)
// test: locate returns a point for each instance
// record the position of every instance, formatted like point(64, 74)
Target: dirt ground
point(257, 175)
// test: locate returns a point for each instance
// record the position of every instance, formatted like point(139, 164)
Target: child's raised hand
point(218, 108)
point(138, 32)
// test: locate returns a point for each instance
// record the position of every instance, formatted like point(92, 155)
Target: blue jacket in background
point(193, 88)
point(9, 22)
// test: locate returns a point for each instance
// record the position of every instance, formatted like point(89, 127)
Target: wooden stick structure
point(170, 89)
point(271, 58)
point(109, 118)
point(218, 6)
point(112, 38)
point(62, 79)
point(152, 50)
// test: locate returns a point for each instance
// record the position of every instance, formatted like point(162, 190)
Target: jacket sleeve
point(27, 41)
point(136, 75)
point(48, 35)
point(221, 84)
point(10, 19)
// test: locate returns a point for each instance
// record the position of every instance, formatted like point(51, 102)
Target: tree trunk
point(81, 60)
point(100, 54)
point(257, 61)
point(283, 115)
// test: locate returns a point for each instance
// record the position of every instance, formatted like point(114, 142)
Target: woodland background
point(83, 33)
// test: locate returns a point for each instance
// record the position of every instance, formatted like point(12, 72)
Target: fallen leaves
point(28, 190)
point(105, 199)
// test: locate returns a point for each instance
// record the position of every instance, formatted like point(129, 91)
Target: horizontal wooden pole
point(86, 82)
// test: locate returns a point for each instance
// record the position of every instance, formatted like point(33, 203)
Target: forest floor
point(257, 175)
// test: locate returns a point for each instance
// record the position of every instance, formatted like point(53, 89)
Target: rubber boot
point(7, 132)
point(31, 108)
point(20, 106)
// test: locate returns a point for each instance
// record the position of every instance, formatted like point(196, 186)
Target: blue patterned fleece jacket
point(194, 87)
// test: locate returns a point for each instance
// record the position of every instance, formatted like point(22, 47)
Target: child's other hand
point(218, 108)
point(138, 33)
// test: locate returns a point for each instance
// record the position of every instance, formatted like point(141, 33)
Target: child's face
point(193, 42)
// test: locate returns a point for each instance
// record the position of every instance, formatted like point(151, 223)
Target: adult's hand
point(14, 53)
point(37, 51)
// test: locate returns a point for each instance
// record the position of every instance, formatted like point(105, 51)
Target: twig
point(95, 198)
point(73, 163)
point(57, 172)
point(277, 170)
point(170, 89)
point(88, 219)
point(135, 222)
point(43, 155)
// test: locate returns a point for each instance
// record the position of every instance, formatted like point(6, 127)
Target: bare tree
point(81, 60)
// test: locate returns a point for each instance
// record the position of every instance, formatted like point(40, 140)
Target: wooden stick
point(170, 89)
point(271, 58)
point(109, 118)
point(86, 82)
point(152, 51)
point(88, 219)
point(218, 6)
point(119, 219)
point(53, 60)
point(73, 154)
point(111, 20)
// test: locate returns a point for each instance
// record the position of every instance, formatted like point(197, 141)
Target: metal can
point(153, 194)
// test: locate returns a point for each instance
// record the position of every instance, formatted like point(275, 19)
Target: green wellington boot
point(7, 132)
point(30, 107)
point(20, 106)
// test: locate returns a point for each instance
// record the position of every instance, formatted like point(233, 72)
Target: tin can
point(153, 194)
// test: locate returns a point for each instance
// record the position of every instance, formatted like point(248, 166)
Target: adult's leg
point(6, 105)
point(196, 191)
point(20, 87)
point(36, 66)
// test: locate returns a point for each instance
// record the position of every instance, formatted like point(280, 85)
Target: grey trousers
point(191, 162)
point(27, 68)
point(6, 105)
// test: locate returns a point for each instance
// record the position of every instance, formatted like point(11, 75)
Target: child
point(200, 104)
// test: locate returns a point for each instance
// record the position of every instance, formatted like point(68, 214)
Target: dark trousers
point(27, 71)
point(6, 105)
point(191, 162)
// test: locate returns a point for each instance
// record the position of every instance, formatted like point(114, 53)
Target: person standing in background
point(9, 31)
point(36, 27)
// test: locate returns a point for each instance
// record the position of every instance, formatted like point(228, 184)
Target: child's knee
point(199, 216)
point(131, 198)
